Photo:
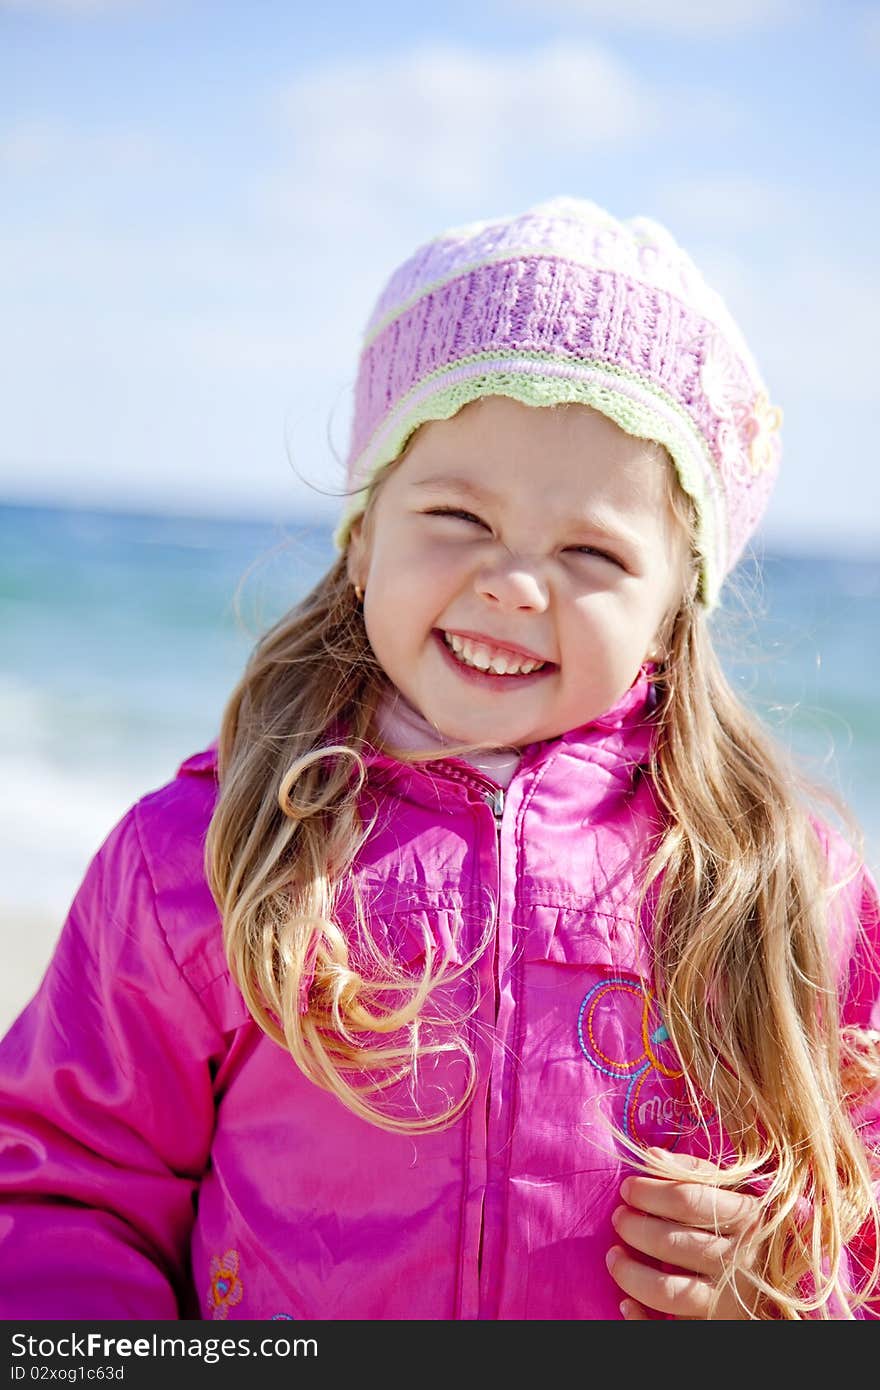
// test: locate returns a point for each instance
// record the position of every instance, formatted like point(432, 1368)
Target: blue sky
point(200, 202)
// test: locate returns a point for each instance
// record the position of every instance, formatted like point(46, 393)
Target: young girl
point(492, 964)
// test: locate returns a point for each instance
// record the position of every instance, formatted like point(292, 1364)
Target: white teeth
point(480, 656)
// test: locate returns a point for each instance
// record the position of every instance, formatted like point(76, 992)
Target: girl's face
point(519, 534)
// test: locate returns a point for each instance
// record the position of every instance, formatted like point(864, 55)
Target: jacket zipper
point(495, 797)
point(496, 800)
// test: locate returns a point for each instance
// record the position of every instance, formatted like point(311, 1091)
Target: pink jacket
point(161, 1158)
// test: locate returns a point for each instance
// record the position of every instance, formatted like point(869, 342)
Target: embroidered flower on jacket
point(226, 1288)
point(621, 1034)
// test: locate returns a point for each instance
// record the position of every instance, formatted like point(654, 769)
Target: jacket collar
point(618, 741)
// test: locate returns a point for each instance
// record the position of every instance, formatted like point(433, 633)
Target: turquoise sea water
point(121, 642)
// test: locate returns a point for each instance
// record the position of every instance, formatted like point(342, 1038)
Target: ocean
point(122, 636)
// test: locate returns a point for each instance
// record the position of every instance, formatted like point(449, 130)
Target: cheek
point(434, 571)
point(611, 625)
point(396, 614)
point(414, 555)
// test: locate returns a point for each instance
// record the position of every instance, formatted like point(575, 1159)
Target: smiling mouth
point(479, 658)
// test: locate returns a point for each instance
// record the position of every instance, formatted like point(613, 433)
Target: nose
point(514, 584)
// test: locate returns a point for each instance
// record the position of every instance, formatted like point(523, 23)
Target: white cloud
point(441, 123)
point(686, 17)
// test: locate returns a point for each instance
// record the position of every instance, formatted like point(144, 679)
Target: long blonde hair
point(746, 981)
point(743, 970)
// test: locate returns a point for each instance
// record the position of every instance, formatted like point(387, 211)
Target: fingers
point(678, 1294)
point(634, 1312)
point(675, 1294)
point(696, 1204)
point(689, 1248)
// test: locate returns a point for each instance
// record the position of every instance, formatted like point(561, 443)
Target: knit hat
point(564, 303)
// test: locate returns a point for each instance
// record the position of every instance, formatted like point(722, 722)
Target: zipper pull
point(497, 799)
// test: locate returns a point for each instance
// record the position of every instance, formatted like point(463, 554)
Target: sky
point(200, 202)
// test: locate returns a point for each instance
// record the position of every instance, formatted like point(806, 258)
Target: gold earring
point(358, 593)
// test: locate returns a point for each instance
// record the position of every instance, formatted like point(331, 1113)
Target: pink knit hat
point(564, 303)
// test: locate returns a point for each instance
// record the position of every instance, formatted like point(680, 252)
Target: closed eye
point(601, 554)
point(588, 550)
point(454, 511)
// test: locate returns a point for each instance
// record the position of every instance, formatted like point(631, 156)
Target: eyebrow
point(441, 482)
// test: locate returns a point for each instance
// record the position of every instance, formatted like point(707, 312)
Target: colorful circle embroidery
point(621, 1033)
point(226, 1288)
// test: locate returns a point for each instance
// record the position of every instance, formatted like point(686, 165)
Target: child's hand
point(693, 1229)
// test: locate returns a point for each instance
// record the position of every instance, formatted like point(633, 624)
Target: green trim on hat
point(681, 439)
